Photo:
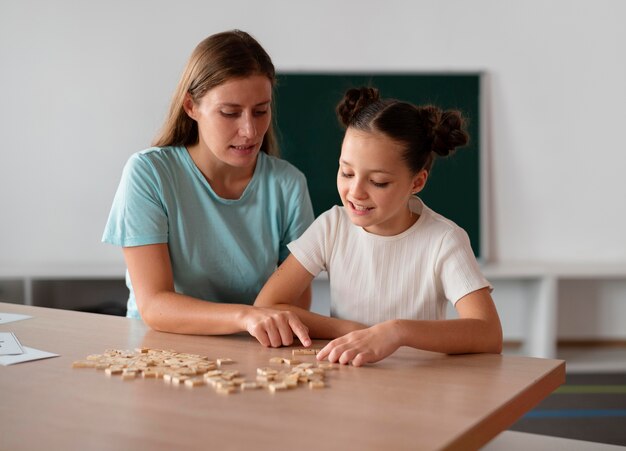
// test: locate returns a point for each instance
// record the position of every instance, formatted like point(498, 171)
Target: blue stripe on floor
point(578, 413)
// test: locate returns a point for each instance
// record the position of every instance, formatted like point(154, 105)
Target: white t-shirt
point(376, 278)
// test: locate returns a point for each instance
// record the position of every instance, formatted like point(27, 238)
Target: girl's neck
point(398, 227)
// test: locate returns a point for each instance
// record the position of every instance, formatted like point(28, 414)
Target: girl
point(205, 215)
point(392, 262)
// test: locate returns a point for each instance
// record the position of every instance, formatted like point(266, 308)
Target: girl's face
point(375, 184)
point(232, 120)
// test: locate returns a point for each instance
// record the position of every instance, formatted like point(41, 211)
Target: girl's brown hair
point(217, 59)
point(425, 131)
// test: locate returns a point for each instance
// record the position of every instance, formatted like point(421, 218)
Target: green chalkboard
point(310, 136)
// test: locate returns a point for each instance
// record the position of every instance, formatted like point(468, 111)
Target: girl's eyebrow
point(382, 171)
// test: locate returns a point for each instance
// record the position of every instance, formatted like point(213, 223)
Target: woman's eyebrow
point(266, 102)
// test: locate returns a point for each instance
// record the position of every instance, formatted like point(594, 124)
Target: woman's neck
point(227, 181)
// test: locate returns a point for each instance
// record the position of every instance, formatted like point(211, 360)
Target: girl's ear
point(419, 181)
point(189, 106)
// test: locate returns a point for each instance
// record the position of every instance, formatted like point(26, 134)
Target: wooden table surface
point(411, 400)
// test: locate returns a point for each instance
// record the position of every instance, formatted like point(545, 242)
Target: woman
point(205, 215)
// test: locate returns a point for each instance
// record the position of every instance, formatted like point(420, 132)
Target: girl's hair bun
point(446, 129)
point(426, 131)
point(353, 101)
point(449, 133)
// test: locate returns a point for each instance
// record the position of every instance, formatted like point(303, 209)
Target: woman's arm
point(286, 286)
point(476, 330)
point(165, 310)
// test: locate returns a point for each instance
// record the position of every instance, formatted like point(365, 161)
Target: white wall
point(85, 84)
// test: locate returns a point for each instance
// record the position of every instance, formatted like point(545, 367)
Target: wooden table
point(411, 400)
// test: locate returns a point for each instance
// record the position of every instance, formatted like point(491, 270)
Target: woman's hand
point(363, 346)
point(275, 328)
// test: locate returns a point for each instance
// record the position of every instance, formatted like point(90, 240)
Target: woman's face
point(232, 120)
point(375, 183)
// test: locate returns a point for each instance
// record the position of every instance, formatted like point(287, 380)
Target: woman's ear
point(419, 181)
point(189, 106)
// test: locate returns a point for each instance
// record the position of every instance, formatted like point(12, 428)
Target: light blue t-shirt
point(221, 250)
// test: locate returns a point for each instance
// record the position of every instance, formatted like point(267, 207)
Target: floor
point(590, 406)
point(523, 441)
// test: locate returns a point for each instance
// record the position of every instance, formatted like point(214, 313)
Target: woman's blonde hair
point(217, 59)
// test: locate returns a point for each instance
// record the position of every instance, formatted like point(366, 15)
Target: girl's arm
point(165, 310)
point(476, 330)
point(286, 286)
point(304, 302)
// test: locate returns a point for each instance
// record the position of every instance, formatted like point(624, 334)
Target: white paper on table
point(29, 354)
point(9, 344)
point(10, 317)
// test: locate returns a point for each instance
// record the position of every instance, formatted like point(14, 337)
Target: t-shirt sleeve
point(314, 248)
point(458, 269)
point(137, 216)
point(300, 215)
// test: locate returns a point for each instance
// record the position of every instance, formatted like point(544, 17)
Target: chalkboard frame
point(310, 136)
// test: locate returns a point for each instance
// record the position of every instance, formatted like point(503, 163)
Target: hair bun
point(355, 100)
point(447, 131)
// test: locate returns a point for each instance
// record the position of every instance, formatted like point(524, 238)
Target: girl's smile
point(375, 184)
point(360, 210)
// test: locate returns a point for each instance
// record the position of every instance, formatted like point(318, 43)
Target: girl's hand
point(362, 346)
point(275, 328)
